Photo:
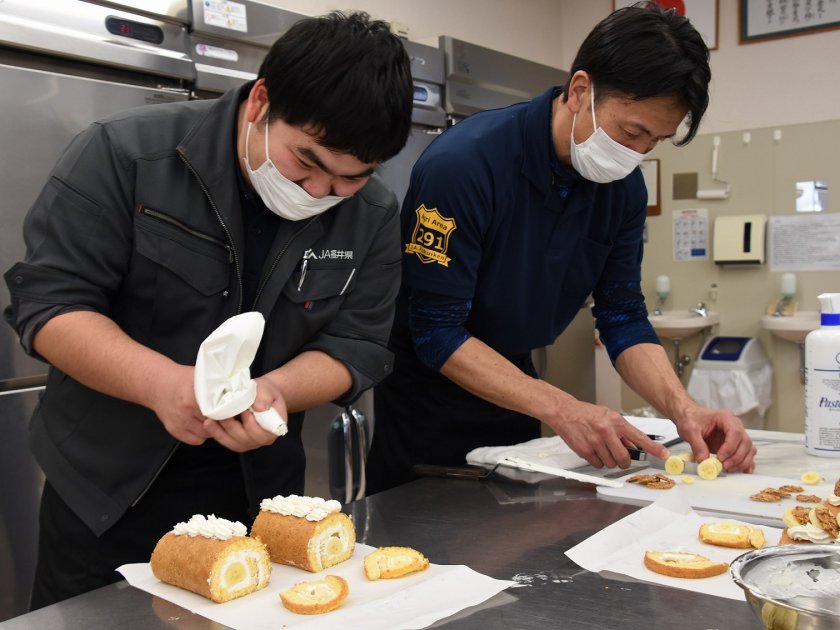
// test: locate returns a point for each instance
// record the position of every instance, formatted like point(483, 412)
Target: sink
point(793, 328)
point(676, 325)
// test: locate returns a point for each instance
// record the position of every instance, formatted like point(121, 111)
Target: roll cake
point(394, 562)
point(212, 557)
point(316, 597)
point(683, 565)
point(305, 532)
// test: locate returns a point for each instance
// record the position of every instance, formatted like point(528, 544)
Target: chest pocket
point(200, 260)
point(320, 281)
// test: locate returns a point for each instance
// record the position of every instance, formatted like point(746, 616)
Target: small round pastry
point(316, 596)
point(731, 534)
point(683, 565)
point(394, 562)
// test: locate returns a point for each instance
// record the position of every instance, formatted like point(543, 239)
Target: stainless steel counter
point(502, 528)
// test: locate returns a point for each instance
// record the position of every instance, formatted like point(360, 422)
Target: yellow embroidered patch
point(430, 238)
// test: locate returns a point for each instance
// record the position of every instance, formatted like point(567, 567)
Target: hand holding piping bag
point(223, 384)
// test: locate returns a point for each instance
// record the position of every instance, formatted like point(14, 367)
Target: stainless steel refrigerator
point(63, 64)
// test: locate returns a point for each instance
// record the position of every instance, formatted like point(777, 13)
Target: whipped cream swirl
point(210, 527)
point(310, 508)
point(810, 532)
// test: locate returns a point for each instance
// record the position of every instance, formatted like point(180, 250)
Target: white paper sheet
point(406, 603)
point(669, 524)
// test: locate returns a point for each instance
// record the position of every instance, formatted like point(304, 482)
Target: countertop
point(503, 528)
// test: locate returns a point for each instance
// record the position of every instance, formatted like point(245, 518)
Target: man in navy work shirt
point(513, 217)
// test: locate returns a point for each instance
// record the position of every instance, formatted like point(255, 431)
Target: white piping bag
point(223, 383)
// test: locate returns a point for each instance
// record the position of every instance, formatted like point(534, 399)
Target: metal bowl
point(792, 587)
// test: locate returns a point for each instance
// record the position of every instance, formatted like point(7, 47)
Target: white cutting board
point(727, 496)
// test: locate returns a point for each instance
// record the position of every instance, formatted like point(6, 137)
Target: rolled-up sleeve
point(358, 335)
point(77, 237)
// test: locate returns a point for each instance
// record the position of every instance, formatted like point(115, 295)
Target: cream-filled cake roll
point(212, 557)
point(305, 532)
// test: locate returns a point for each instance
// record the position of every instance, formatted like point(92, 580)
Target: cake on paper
point(212, 557)
point(309, 533)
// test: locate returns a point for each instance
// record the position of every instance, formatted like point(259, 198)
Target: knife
point(521, 464)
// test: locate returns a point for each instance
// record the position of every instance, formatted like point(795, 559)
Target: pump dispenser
point(822, 381)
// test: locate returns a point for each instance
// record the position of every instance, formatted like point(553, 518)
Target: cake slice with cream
point(212, 557)
point(305, 532)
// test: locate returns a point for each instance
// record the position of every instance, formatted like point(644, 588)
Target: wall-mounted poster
point(769, 19)
point(703, 15)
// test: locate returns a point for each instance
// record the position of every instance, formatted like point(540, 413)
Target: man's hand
point(244, 433)
point(600, 435)
point(173, 400)
point(718, 431)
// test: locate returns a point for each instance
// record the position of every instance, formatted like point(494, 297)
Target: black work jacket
point(141, 221)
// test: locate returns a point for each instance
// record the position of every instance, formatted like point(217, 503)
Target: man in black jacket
point(156, 226)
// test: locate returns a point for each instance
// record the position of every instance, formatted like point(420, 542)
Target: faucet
point(699, 310)
point(780, 306)
point(660, 302)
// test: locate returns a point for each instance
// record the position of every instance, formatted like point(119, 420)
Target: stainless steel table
point(500, 527)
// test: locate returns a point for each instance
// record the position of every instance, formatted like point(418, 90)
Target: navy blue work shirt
point(493, 217)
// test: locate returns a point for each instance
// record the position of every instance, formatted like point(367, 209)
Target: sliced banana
point(717, 463)
point(674, 465)
point(687, 456)
point(688, 479)
point(708, 469)
point(812, 478)
point(789, 519)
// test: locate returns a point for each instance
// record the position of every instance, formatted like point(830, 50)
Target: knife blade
point(521, 464)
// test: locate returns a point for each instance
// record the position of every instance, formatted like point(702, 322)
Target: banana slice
point(688, 456)
point(674, 465)
point(717, 462)
point(812, 478)
point(687, 479)
point(708, 469)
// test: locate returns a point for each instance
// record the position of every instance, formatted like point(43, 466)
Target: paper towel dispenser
point(740, 240)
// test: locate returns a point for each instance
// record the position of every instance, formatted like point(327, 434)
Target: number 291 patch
point(430, 238)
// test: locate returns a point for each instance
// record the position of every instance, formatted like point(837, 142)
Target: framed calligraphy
point(703, 15)
point(762, 20)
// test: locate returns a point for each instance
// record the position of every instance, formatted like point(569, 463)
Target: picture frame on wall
point(763, 20)
point(703, 15)
point(650, 172)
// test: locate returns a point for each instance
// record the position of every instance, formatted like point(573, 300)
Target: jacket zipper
point(231, 256)
point(173, 221)
point(155, 476)
point(277, 258)
point(232, 250)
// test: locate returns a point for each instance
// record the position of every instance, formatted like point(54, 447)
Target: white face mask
point(280, 194)
point(599, 158)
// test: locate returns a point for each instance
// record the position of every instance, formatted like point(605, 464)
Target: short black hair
point(347, 79)
point(644, 51)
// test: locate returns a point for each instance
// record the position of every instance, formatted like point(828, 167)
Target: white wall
point(780, 82)
point(528, 28)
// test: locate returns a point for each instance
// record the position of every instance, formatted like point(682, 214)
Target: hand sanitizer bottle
point(822, 381)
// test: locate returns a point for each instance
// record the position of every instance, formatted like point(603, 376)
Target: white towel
point(551, 451)
point(223, 383)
